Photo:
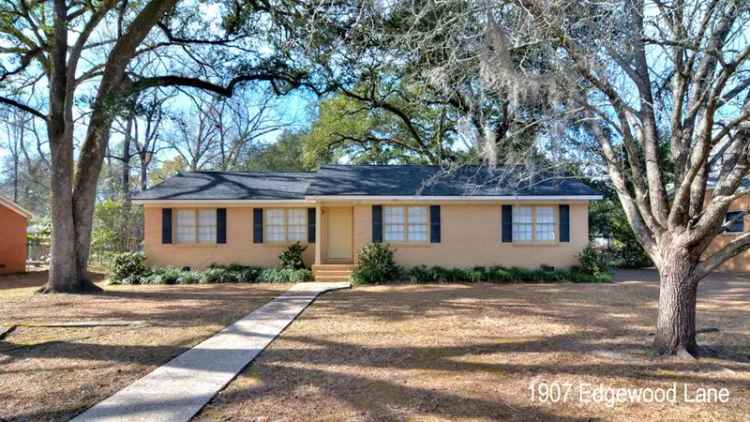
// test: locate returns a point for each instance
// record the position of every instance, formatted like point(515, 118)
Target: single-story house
point(12, 237)
point(461, 217)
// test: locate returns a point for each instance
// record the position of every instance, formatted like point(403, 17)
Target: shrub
point(167, 275)
point(375, 264)
point(218, 275)
point(131, 265)
point(593, 261)
point(291, 258)
point(421, 274)
point(284, 275)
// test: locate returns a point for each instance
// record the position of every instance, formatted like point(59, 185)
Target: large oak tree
point(661, 87)
point(72, 64)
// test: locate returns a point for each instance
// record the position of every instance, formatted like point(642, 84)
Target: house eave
point(15, 208)
point(412, 198)
point(219, 201)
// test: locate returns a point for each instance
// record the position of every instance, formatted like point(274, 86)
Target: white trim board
point(368, 198)
point(454, 198)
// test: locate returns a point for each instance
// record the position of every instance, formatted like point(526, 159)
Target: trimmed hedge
point(497, 274)
point(216, 274)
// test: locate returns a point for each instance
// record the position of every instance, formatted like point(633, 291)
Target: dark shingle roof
point(207, 185)
point(413, 180)
point(369, 180)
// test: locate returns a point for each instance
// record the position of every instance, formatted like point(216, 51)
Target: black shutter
point(507, 223)
point(377, 223)
point(564, 223)
point(221, 225)
point(311, 225)
point(166, 225)
point(435, 223)
point(257, 225)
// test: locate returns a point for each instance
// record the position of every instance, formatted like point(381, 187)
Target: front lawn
point(470, 352)
point(53, 373)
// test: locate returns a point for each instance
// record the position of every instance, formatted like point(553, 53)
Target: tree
point(643, 77)
point(219, 133)
point(26, 168)
point(89, 57)
point(285, 154)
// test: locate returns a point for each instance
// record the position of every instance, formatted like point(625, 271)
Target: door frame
point(330, 227)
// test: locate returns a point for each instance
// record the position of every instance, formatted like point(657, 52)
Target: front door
point(340, 234)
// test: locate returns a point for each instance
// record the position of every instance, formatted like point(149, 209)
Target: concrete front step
point(333, 267)
point(333, 272)
point(333, 277)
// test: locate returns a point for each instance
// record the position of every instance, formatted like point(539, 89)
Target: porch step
point(332, 272)
point(325, 267)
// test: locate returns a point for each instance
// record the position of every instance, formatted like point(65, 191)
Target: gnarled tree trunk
point(675, 323)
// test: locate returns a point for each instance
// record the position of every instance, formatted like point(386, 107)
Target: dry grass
point(54, 373)
point(469, 352)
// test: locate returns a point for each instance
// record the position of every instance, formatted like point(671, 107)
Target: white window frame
point(527, 226)
point(549, 226)
point(535, 235)
point(285, 224)
point(408, 228)
point(195, 238)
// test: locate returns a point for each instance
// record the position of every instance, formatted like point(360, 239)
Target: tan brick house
point(433, 216)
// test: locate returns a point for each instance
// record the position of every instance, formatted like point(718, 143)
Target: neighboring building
point(737, 224)
point(457, 218)
point(12, 237)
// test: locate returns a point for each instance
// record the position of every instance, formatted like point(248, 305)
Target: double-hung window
point(410, 224)
point(285, 224)
point(522, 224)
point(195, 225)
point(534, 223)
point(545, 224)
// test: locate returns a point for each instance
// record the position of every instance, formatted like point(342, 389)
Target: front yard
point(53, 373)
point(405, 352)
point(470, 352)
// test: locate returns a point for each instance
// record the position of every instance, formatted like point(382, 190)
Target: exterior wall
point(239, 248)
point(740, 263)
point(12, 241)
point(471, 237)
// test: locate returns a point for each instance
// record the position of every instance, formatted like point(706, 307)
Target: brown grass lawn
point(55, 373)
point(470, 352)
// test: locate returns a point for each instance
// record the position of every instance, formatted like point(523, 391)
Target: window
point(393, 221)
point(522, 224)
point(734, 222)
point(275, 231)
point(534, 223)
point(207, 226)
point(195, 226)
point(418, 227)
point(285, 225)
point(406, 224)
point(545, 223)
point(296, 223)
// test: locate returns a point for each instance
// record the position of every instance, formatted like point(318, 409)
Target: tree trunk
point(65, 276)
point(144, 175)
point(675, 324)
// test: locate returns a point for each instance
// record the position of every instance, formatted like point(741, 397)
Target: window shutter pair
point(507, 223)
point(377, 223)
point(166, 225)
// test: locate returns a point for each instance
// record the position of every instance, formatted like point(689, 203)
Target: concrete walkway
point(177, 390)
